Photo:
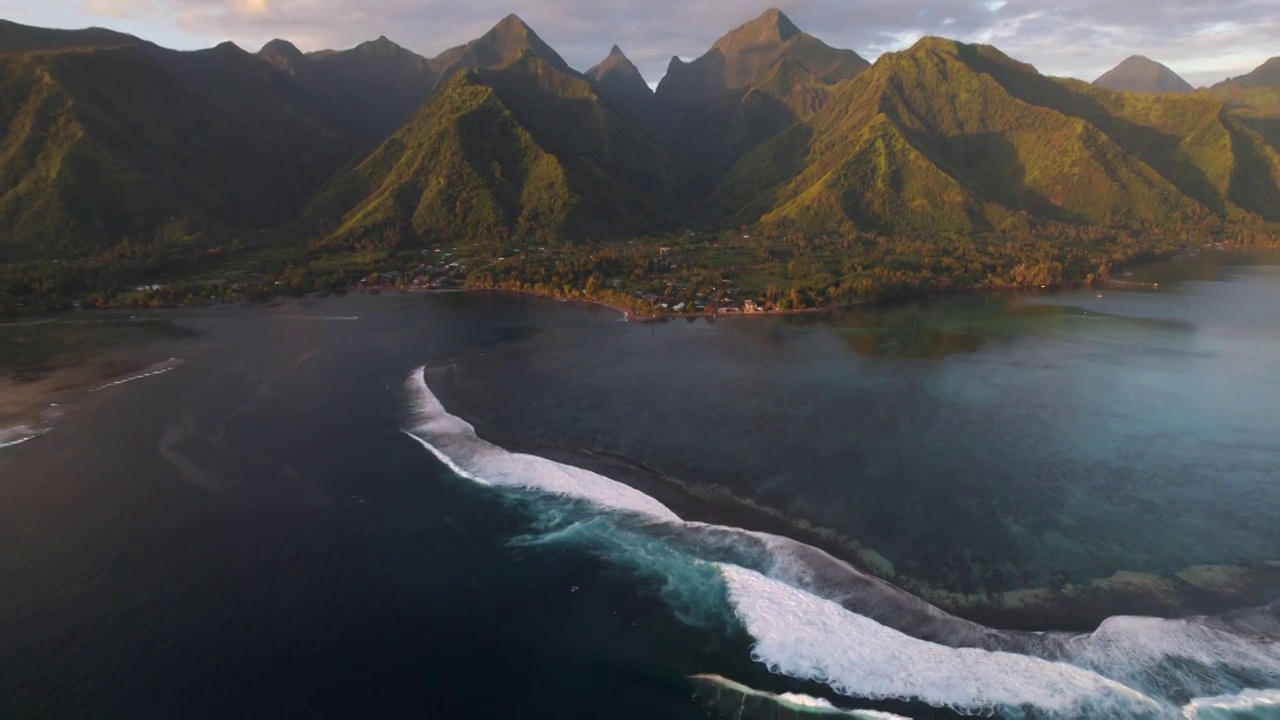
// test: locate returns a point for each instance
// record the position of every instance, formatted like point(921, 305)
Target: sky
point(1203, 41)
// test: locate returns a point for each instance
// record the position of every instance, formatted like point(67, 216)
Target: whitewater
point(814, 617)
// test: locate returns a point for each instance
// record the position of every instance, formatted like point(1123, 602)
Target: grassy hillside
point(526, 152)
point(1006, 146)
point(104, 145)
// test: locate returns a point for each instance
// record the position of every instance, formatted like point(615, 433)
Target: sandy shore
point(33, 394)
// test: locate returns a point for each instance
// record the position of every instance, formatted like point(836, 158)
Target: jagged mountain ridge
point(941, 137)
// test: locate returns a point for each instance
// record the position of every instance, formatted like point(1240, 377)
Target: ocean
point(1054, 504)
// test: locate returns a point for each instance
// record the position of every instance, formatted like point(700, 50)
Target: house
point(679, 307)
point(751, 307)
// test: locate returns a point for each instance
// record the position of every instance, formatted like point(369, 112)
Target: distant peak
point(615, 64)
point(777, 22)
point(382, 46)
point(1141, 74)
point(771, 28)
point(512, 22)
point(281, 47)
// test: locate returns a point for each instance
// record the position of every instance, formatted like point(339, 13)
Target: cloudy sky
point(1204, 41)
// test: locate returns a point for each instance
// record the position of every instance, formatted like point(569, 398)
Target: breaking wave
point(158, 369)
point(814, 617)
point(18, 435)
point(729, 694)
point(1248, 705)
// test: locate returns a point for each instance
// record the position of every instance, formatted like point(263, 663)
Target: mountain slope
point(368, 92)
point(103, 145)
point(1142, 75)
point(526, 151)
point(953, 149)
point(295, 127)
point(722, 131)
point(1265, 75)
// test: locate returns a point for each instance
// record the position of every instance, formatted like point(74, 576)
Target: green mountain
point(106, 138)
point(961, 138)
point(527, 151)
point(1142, 75)
point(104, 144)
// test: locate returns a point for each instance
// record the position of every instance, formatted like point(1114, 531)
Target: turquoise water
point(977, 443)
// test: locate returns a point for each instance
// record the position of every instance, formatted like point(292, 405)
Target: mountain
point(754, 82)
point(1142, 75)
point(746, 56)
point(299, 128)
point(108, 138)
point(527, 151)
point(14, 36)
point(619, 80)
point(105, 144)
point(503, 44)
point(1265, 75)
point(948, 137)
point(368, 92)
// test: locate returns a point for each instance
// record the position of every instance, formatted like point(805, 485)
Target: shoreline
point(35, 399)
point(629, 315)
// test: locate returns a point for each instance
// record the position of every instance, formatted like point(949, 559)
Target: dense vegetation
point(774, 169)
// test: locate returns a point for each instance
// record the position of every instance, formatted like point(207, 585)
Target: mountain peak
point(616, 62)
point(1143, 75)
point(283, 54)
point(281, 47)
point(511, 24)
point(382, 45)
point(502, 44)
point(620, 80)
point(772, 27)
point(747, 55)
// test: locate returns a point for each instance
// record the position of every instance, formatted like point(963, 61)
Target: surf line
point(970, 667)
point(157, 369)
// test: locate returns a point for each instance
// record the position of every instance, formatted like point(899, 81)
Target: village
point(669, 285)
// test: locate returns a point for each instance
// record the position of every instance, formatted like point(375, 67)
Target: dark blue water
point(253, 535)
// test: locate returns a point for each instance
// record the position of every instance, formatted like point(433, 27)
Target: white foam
point(1129, 651)
point(455, 443)
point(18, 435)
point(797, 701)
point(157, 369)
point(1125, 645)
point(346, 318)
point(1227, 705)
point(807, 637)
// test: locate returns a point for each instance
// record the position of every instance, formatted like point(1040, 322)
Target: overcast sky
point(1203, 41)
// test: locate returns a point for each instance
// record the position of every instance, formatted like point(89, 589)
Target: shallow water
point(258, 530)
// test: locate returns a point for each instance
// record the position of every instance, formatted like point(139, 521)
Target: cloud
point(1204, 41)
